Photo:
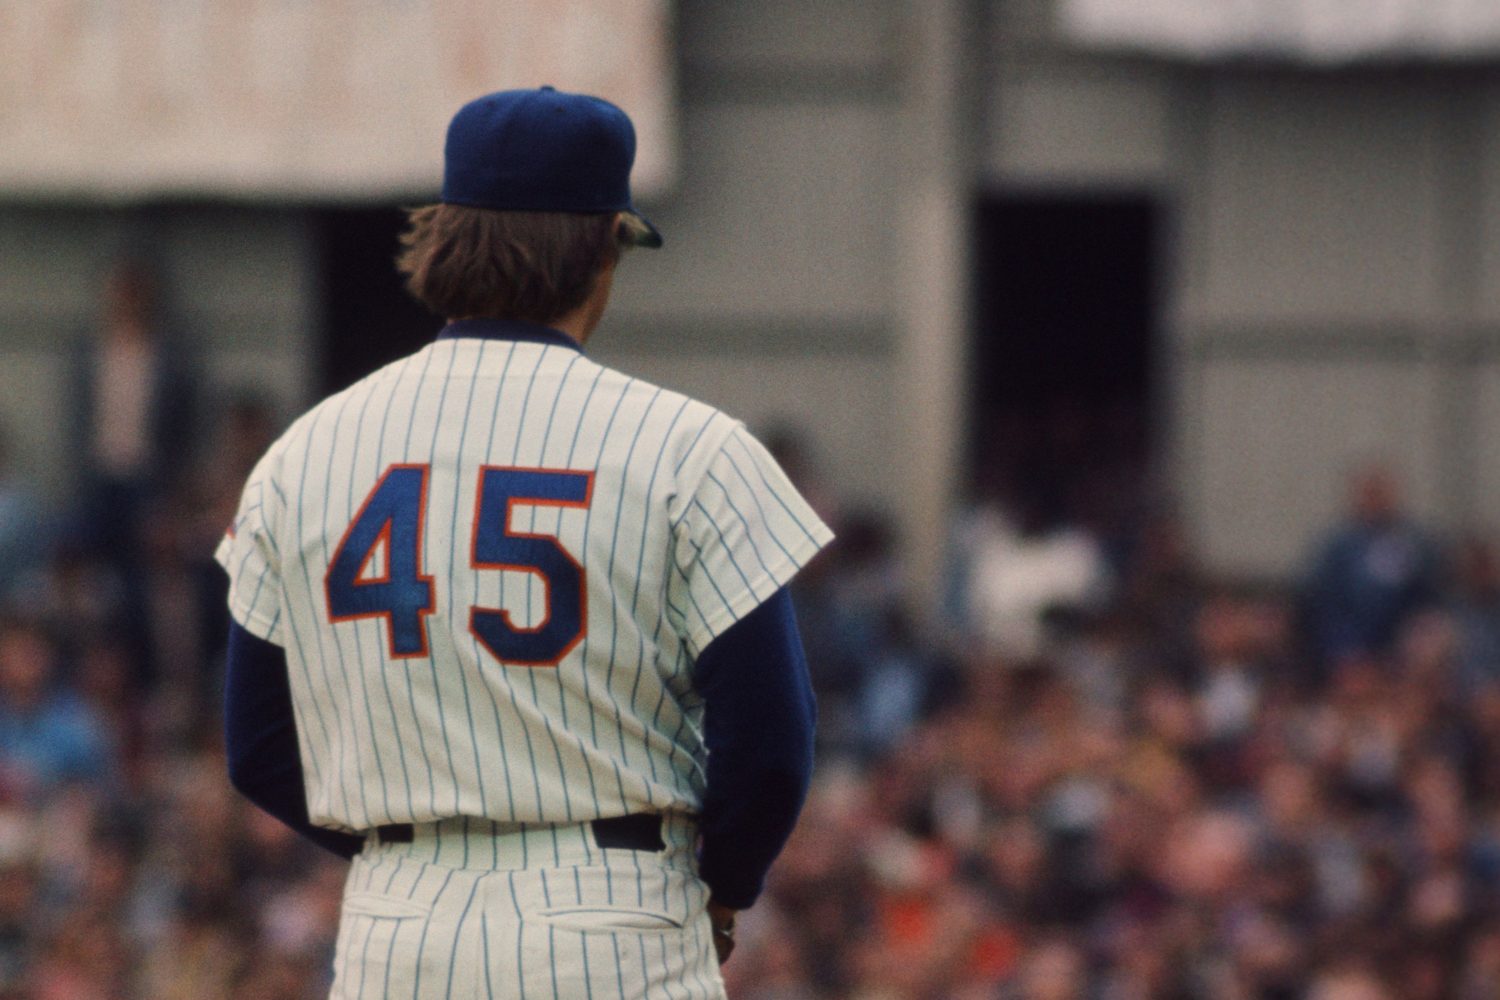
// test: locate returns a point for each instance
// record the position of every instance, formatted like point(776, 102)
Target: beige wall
point(1331, 284)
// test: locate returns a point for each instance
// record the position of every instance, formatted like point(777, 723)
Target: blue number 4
point(392, 518)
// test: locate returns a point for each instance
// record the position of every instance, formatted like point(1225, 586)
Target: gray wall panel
point(1275, 440)
point(1486, 254)
point(34, 415)
point(54, 258)
point(782, 210)
point(1080, 125)
point(1486, 448)
point(245, 273)
point(1324, 200)
point(785, 34)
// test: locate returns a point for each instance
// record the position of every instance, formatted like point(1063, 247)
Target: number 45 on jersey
point(391, 521)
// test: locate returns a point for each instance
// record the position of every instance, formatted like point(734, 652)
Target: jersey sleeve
point(249, 554)
point(742, 534)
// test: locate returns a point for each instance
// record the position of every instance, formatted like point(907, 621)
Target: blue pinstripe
point(583, 561)
point(583, 410)
point(390, 952)
point(520, 938)
point(458, 933)
point(416, 988)
point(458, 480)
point(437, 689)
point(635, 598)
point(754, 496)
point(614, 940)
point(406, 456)
point(510, 689)
point(768, 488)
point(614, 609)
point(489, 689)
point(515, 458)
point(385, 679)
point(688, 451)
point(484, 943)
point(562, 692)
point(749, 531)
point(728, 550)
point(364, 957)
point(359, 426)
point(318, 635)
point(698, 559)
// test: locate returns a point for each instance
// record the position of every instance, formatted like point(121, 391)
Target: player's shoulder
point(690, 430)
point(322, 415)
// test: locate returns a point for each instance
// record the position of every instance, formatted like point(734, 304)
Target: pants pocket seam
point(609, 919)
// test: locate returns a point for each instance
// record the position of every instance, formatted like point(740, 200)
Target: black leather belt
point(635, 832)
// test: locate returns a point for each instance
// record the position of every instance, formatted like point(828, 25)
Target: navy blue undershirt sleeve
point(260, 738)
point(758, 722)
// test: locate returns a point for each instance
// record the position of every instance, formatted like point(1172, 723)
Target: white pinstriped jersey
point(409, 541)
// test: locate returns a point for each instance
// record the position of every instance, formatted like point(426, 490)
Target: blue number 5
point(496, 546)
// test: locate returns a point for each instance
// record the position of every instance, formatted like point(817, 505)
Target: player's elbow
point(256, 772)
point(784, 788)
point(771, 785)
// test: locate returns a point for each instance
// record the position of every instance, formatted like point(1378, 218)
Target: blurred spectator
point(132, 427)
point(18, 897)
point(1009, 575)
point(248, 426)
point(48, 736)
point(1476, 612)
point(132, 420)
point(24, 529)
point(1350, 982)
point(1371, 571)
point(871, 669)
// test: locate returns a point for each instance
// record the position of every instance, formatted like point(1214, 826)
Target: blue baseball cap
point(543, 150)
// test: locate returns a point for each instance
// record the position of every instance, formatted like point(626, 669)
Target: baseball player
point(510, 627)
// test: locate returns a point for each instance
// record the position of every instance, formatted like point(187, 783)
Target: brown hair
point(464, 262)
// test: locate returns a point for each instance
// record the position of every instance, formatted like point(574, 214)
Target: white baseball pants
point(472, 909)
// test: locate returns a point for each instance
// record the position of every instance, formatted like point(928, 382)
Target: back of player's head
point(463, 262)
point(536, 203)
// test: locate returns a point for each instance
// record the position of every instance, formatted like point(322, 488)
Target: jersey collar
point(508, 329)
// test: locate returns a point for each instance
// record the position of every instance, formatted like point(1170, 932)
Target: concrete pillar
point(931, 216)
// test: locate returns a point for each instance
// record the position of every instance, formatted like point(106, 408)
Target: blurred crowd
point(128, 867)
point(1107, 776)
point(1097, 774)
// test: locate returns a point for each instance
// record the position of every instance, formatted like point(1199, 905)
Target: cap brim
point(636, 230)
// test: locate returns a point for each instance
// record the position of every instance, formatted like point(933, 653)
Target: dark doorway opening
point(1062, 382)
point(368, 319)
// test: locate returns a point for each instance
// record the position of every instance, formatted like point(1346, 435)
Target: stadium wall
point(239, 293)
point(1332, 290)
point(1329, 292)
